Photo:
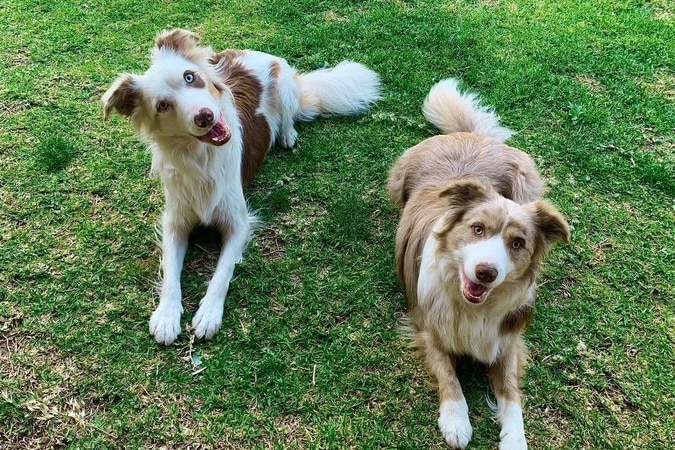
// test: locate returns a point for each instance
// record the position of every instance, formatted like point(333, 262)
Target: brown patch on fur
point(274, 95)
point(506, 372)
point(437, 160)
point(184, 43)
point(460, 196)
point(550, 222)
point(462, 192)
point(417, 220)
point(275, 70)
point(247, 91)
point(550, 227)
point(226, 56)
point(517, 321)
point(198, 81)
point(178, 40)
point(122, 96)
point(440, 365)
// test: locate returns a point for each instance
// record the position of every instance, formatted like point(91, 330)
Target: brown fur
point(246, 90)
point(183, 42)
point(506, 372)
point(440, 365)
point(124, 99)
point(439, 159)
point(198, 81)
point(517, 321)
point(417, 219)
point(442, 186)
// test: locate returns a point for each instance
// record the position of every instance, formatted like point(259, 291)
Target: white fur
point(202, 182)
point(345, 89)
point(453, 421)
point(512, 435)
point(490, 251)
point(451, 111)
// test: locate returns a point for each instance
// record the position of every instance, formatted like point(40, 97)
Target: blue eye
point(162, 106)
point(189, 77)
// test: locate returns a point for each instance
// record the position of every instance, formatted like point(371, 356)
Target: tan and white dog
point(471, 240)
point(210, 119)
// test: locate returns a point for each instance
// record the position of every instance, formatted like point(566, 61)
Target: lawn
point(309, 355)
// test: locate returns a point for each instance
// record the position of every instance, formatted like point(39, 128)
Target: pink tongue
point(477, 289)
point(474, 292)
point(218, 135)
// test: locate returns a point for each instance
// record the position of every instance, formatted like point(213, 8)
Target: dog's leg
point(209, 316)
point(165, 321)
point(505, 377)
point(453, 419)
point(289, 97)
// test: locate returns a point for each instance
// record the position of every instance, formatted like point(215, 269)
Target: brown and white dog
point(471, 240)
point(210, 119)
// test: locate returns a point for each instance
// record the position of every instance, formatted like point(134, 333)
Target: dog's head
point(494, 240)
point(177, 96)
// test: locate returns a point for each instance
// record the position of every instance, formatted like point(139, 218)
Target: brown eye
point(517, 244)
point(478, 230)
point(162, 106)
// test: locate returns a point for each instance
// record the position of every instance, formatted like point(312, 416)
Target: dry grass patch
point(50, 409)
point(591, 83)
point(663, 84)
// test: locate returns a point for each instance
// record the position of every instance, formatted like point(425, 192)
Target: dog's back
point(472, 146)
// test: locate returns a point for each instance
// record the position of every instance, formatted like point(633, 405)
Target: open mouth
point(219, 133)
point(473, 292)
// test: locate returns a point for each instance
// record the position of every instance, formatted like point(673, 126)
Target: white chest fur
point(198, 182)
point(463, 328)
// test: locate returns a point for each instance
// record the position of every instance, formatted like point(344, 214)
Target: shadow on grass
point(55, 153)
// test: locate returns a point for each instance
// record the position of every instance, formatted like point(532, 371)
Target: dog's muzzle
point(204, 118)
point(218, 134)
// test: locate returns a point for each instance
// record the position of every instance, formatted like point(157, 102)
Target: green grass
point(309, 355)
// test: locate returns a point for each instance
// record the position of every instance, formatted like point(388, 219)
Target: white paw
point(512, 435)
point(288, 138)
point(206, 322)
point(512, 441)
point(454, 423)
point(165, 322)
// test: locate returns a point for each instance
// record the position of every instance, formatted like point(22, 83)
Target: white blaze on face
point(165, 82)
point(489, 255)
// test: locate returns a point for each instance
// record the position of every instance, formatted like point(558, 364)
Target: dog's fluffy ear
point(123, 95)
point(550, 222)
point(178, 39)
point(462, 193)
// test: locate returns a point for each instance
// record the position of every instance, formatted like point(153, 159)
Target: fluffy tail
point(347, 89)
point(451, 111)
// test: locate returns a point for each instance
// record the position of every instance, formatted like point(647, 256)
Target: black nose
point(204, 118)
point(486, 273)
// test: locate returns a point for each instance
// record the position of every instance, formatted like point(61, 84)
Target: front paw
point(208, 318)
point(512, 435)
point(513, 442)
point(165, 322)
point(454, 423)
